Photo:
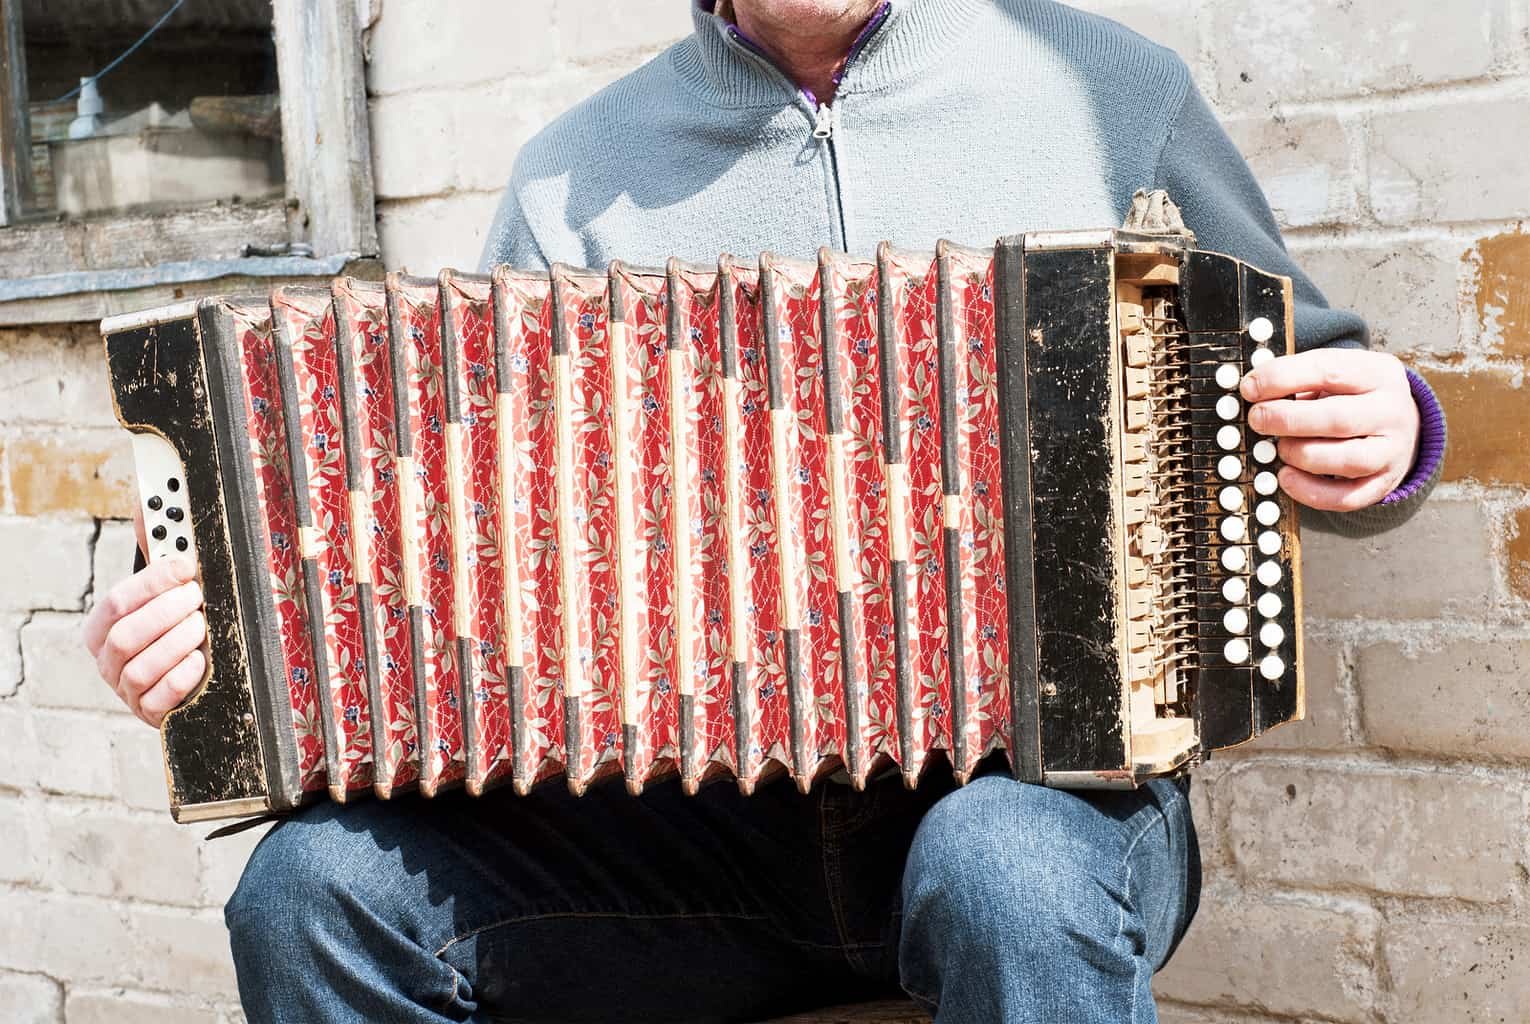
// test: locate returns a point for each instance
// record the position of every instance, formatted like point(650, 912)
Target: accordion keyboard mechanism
point(743, 521)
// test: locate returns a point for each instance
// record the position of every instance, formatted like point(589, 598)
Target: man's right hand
point(146, 636)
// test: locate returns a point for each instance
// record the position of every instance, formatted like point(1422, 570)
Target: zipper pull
point(825, 121)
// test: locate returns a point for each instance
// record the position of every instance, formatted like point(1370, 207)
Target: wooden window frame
point(326, 224)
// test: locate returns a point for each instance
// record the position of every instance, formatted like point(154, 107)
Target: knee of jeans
point(291, 888)
point(1013, 862)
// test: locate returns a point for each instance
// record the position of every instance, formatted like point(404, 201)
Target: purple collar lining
point(865, 34)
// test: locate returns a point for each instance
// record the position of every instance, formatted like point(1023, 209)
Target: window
point(152, 150)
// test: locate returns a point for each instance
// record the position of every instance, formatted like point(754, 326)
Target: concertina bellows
point(723, 521)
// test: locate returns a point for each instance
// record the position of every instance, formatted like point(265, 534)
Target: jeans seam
point(833, 887)
point(1126, 883)
point(592, 915)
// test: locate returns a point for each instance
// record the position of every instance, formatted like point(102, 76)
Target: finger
point(144, 672)
point(1334, 371)
point(132, 635)
point(1334, 416)
point(1352, 459)
point(172, 688)
point(132, 594)
point(139, 534)
point(1330, 494)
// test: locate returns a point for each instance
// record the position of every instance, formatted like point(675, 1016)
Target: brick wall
point(1367, 865)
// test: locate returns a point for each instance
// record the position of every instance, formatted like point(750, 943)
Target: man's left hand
point(1346, 422)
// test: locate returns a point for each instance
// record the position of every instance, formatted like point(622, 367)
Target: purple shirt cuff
point(1431, 441)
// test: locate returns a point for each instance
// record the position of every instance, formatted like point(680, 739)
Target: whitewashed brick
point(65, 937)
point(426, 235)
point(47, 563)
point(54, 375)
point(90, 941)
point(1421, 833)
point(73, 754)
point(1418, 702)
point(1440, 560)
point(223, 861)
point(590, 33)
point(133, 1008)
point(60, 673)
point(112, 854)
point(1406, 291)
point(1462, 972)
point(30, 999)
point(138, 767)
point(1310, 49)
point(23, 848)
point(489, 126)
point(112, 561)
point(1276, 955)
point(1305, 165)
point(1452, 162)
point(425, 44)
point(184, 953)
point(411, 145)
point(10, 652)
point(18, 753)
point(1326, 725)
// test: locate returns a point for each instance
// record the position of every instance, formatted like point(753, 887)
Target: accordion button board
point(736, 521)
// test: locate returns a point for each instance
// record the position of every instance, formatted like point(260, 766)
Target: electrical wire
point(124, 55)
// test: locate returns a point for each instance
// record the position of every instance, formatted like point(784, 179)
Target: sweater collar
point(901, 39)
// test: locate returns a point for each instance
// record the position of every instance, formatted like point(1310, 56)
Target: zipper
point(824, 117)
point(825, 121)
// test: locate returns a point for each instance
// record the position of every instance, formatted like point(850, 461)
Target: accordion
point(724, 521)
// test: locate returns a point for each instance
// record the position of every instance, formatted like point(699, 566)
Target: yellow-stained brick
point(1519, 555)
point(1489, 416)
point(1503, 292)
point(87, 474)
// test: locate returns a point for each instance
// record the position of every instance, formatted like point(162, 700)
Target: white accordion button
point(1230, 467)
point(1227, 376)
point(1266, 483)
point(1269, 573)
point(1268, 513)
point(1234, 529)
point(1229, 437)
point(1269, 543)
point(1234, 559)
point(1260, 356)
point(1236, 651)
point(1235, 621)
point(1261, 330)
point(1269, 605)
point(1272, 668)
point(1230, 498)
point(1271, 635)
point(1235, 590)
point(1264, 452)
point(1228, 407)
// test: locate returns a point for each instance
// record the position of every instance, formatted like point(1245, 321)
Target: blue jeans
point(999, 901)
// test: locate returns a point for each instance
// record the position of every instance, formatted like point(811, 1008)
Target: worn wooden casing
point(172, 374)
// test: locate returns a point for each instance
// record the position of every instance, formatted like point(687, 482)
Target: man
point(786, 125)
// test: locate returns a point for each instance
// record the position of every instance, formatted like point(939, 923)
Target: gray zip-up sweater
point(960, 119)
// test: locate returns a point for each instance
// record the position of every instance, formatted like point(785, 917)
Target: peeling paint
point(1501, 272)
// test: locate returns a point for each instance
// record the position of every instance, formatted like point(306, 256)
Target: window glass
point(189, 117)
